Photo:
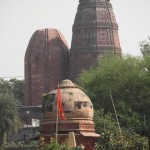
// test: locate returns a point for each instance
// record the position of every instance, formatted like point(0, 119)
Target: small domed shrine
point(78, 111)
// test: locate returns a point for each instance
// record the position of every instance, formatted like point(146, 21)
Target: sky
point(19, 19)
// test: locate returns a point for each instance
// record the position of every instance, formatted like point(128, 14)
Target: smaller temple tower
point(46, 64)
point(78, 111)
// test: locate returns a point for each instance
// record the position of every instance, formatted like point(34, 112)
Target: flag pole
point(57, 125)
point(57, 118)
point(116, 114)
point(59, 110)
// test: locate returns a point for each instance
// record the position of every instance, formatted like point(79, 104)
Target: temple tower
point(95, 32)
point(46, 63)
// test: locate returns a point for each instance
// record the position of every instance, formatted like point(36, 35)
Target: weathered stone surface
point(46, 63)
point(75, 102)
point(78, 111)
point(95, 32)
point(47, 59)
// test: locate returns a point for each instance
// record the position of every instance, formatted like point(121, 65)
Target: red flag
point(59, 105)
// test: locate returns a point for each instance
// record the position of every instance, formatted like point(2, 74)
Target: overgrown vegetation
point(13, 87)
point(53, 145)
point(127, 78)
point(112, 138)
point(9, 118)
point(11, 95)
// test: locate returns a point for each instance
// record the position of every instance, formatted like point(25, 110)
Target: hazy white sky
point(20, 18)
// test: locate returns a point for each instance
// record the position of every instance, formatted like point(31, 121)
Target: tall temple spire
point(95, 31)
point(85, 1)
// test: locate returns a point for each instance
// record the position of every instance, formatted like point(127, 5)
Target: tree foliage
point(9, 118)
point(11, 95)
point(111, 138)
point(145, 47)
point(14, 87)
point(128, 79)
point(53, 145)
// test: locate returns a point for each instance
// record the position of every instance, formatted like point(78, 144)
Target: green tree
point(111, 138)
point(145, 47)
point(53, 145)
point(14, 87)
point(9, 119)
point(4, 86)
point(17, 88)
point(127, 78)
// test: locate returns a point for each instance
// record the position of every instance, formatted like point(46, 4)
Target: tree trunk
point(1, 141)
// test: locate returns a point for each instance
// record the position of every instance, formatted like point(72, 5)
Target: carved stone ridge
point(94, 25)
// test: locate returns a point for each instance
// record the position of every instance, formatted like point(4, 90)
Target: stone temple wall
point(95, 32)
point(46, 63)
point(48, 59)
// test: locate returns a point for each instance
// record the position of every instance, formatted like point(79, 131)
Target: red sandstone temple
point(46, 63)
point(48, 59)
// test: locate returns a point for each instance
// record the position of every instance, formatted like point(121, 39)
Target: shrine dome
point(76, 104)
point(78, 111)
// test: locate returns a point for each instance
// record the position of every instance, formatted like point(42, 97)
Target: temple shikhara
point(46, 63)
point(49, 60)
point(95, 32)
